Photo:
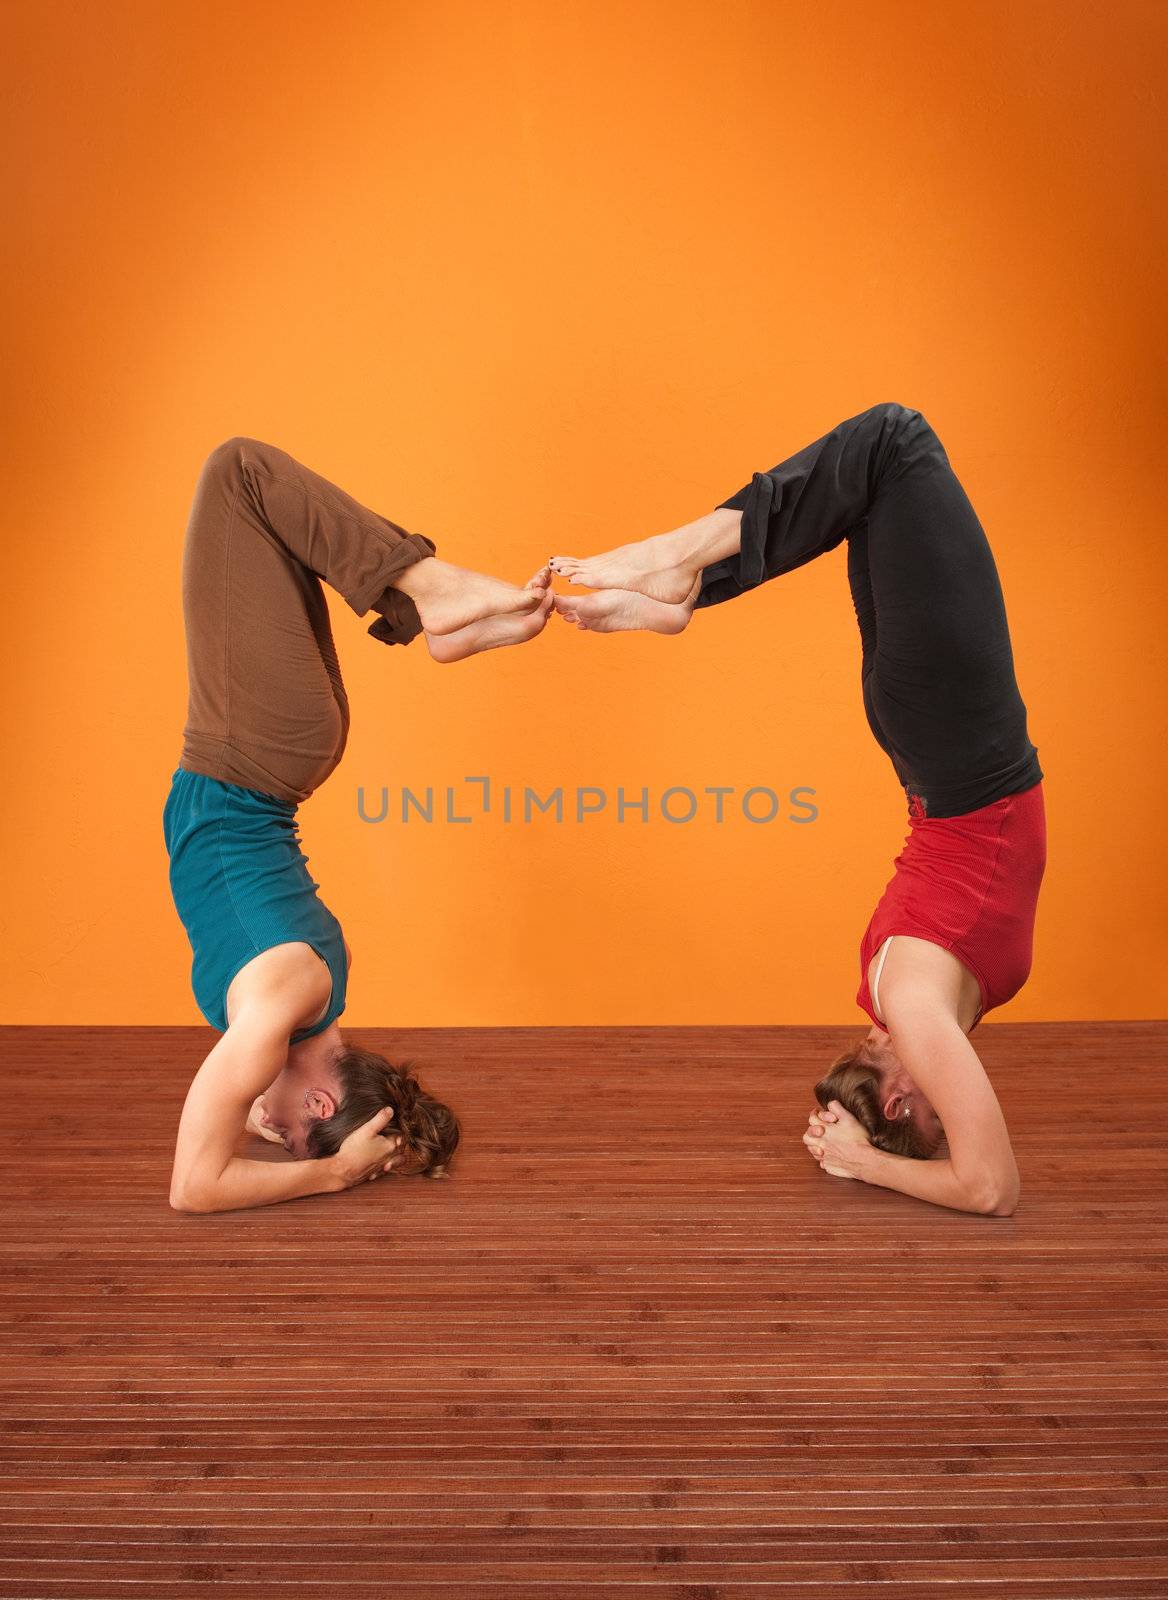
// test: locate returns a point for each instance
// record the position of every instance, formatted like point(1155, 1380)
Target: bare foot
point(451, 598)
point(488, 633)
point(655, 567)
point(666, 567)
point(621, 610)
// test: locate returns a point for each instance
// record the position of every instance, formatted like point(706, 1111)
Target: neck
point(309, 1055)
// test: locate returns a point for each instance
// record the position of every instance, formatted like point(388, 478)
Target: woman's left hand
point(837, 1141)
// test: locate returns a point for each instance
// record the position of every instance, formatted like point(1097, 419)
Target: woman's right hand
point(367, 1152)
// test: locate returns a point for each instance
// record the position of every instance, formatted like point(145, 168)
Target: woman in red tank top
point(952, 934)
point(969, 884)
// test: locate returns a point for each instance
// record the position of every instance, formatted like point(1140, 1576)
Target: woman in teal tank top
point(267, 722)
point(241, 886)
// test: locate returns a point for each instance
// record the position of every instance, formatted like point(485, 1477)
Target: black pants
point(937, 667)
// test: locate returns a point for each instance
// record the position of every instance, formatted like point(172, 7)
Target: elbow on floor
point(182, 1201)
point(1001, 1202)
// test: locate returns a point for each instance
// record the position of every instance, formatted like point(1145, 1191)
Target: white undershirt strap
point(876, 978)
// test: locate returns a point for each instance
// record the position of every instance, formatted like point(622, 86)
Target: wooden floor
point(637, 1344)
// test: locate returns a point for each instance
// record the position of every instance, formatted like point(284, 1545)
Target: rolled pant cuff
point(399, 621)
point(397, 627)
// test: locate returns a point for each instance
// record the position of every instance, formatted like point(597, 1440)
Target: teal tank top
point(241, 884)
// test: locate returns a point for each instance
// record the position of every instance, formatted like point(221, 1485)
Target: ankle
point(714, 536)
point(422, 578)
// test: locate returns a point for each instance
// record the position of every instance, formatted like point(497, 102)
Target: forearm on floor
point(246, 1183)
point(935, 1181)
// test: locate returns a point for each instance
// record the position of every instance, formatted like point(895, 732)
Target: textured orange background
point(529, 277)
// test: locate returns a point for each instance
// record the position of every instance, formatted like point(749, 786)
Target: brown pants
point(267, 707)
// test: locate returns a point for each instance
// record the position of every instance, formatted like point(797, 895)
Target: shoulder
point(918, 971)
point(289, 979)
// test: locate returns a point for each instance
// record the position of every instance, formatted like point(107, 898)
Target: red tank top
point(968, 883)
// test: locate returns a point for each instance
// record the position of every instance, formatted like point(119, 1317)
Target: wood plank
point(635, 1344)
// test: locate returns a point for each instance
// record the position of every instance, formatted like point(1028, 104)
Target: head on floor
point(872, 1082)
point(330, 1086)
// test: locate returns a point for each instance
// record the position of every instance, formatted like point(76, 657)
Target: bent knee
point(228, 457)
point(905, 437)
point(897, 414)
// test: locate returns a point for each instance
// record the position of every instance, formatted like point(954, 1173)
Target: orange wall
point(530, 277)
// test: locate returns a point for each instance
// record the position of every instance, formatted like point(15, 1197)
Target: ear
point(893, 1106)
point(320, 1103)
